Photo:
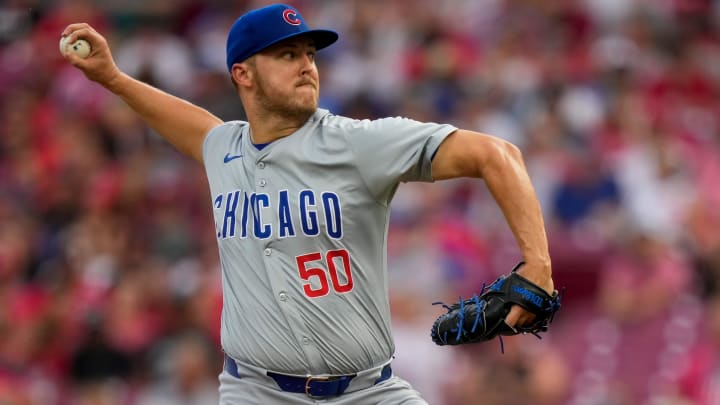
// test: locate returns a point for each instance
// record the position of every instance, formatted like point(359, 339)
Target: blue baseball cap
point(260, 28)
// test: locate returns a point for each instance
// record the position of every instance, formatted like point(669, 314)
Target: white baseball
point(80, 47)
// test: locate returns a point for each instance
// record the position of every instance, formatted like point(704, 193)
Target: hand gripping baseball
point(482, 317)
point(98, 64)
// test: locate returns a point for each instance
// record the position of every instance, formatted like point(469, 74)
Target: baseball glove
point(482, 317)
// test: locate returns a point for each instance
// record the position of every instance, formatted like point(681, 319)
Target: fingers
point(514, 316)
point(76, 30)
point(73, 32)
point(99, 65)
point(518, 316)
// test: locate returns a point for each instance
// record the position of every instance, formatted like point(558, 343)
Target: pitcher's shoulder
point(341, 122)
point(225, 134)
point(231, 127)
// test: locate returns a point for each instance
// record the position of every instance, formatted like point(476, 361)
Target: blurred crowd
point(109, 275)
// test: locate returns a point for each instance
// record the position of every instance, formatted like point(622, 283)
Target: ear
point(242, 74)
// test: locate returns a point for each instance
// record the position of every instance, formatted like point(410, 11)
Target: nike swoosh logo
point(229, 158)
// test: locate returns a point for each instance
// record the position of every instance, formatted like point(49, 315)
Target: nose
point(308, 65)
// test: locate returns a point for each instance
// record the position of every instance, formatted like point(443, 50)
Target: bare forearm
point(181, 123)
point(508, 181)
point(472, 154)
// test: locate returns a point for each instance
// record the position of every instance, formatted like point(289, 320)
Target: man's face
point(286, 78)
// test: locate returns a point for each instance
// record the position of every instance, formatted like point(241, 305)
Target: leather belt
point(315, 387)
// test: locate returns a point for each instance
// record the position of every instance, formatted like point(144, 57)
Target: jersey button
point(261, 165)
point(283, 296)
point(262, 183)
point(267, 251)
point(306, 341)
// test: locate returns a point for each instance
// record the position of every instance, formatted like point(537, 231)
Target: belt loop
point(385, 374)
point(231, 366)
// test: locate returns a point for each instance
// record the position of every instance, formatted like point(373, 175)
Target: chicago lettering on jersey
point(263, 216)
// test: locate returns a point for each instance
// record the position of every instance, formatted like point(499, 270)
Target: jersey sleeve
point(210, 143)
point(393, 150)
point(220, 140)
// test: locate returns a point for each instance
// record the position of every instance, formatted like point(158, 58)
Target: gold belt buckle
point(307, 386)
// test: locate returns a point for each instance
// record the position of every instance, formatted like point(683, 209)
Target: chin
point(302, 111)
point(308, 106)
point(310, 110)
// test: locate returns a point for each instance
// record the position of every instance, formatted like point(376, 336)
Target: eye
point(289, 55)
point(311, 55)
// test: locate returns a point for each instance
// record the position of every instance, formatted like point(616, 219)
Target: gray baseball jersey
point(302, 229)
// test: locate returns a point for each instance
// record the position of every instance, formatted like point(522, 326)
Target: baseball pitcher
point(301, 201)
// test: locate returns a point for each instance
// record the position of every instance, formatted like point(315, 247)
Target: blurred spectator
point(157, 57)
point(525, 371)
point(698, 380)
point(704, 243)
point(587, 190)
point(417, 358)
point(642, 279)
point(98, 368)
point(642, 303)
point(186, 371)
point(655, 186)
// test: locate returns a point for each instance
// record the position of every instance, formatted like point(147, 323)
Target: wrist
point(538, 263)
point(538, 271)
point(114, 81)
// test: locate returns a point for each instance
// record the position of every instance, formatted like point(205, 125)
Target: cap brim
point(322, 38)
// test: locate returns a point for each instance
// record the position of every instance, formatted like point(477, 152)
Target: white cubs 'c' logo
point(290, 17)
